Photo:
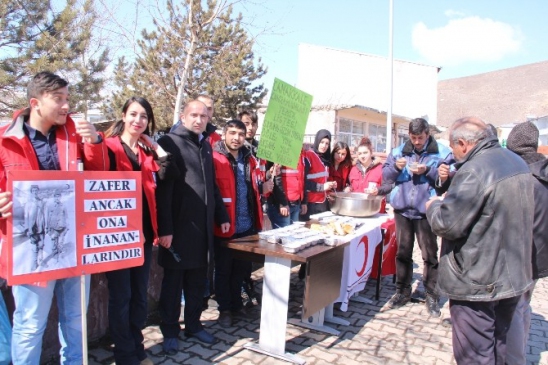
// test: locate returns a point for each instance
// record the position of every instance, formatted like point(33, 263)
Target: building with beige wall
point(350, 92)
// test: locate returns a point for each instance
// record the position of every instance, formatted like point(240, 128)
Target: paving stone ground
point(403, 336)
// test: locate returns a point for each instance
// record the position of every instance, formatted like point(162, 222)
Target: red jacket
point(149, 168)
point(318, 173)
point(359, 181)
point(340, 176)
point(213, 138)
point(17, 153)
point(226, 181)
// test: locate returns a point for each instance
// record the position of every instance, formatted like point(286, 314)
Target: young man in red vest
point(237, 174)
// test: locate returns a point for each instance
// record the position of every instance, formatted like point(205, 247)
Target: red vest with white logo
point(226, 181)
point(318, 173)
point(293, 181)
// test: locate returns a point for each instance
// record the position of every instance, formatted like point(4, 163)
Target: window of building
point(403, 135)
point(377, 135)
point(350, 131)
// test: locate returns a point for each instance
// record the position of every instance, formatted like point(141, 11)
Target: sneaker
point(398, 300)
point(225, 319)
point(432, 305)
point(203, 336)
point(171, 345)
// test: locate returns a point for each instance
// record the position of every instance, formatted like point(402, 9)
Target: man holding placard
point(44, 137)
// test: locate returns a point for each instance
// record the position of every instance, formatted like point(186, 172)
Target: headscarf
point(326, 156)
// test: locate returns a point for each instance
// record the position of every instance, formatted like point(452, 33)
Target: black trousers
point(406, 229)
point(193, 282)
point(479, 330)
point(229, 275)
point(127, 310)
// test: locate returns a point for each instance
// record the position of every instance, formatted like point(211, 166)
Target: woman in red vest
point(130, 148)
point(341, 164)
point(316, 173)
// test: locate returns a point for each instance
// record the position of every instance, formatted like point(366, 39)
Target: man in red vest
point(237, 175)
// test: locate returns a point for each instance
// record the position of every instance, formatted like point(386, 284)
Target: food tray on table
point(330, 230)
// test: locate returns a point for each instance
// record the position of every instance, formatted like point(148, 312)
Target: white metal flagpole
point(390, 77)
point(83, 304)
point(83, 308)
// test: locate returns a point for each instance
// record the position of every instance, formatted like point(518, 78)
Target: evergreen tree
point(35, 37)
point(210, 43)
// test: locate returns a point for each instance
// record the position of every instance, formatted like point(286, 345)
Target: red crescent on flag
point(365, 242)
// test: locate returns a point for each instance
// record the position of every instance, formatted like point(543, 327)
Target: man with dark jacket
point(486, 222)
point(413, 169)
point(523, 140)
point(188, 206)
point(210, 130)
point(237, 174)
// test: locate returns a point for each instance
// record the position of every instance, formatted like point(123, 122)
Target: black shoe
point(240, 313)
point(203, 336)
point(170, 346)
point(433, 305)
point(225, 319)
point(446, 322)
point(398, 300)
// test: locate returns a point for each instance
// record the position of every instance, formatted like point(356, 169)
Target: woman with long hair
point(341, 164)
point(131, 148)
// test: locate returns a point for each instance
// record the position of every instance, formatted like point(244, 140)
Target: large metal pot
point(356, 204)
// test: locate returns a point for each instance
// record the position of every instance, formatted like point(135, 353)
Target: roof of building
point(397, 60)
point(499, 97)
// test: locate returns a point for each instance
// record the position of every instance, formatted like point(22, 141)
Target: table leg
point(274, 309)
point(330, 318)
point(315, 322)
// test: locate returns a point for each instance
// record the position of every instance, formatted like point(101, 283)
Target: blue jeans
point(278, 220)
point(5, 334)
point(32, 304)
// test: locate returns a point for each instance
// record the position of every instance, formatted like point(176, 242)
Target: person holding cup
point(413, 168)
point(366, 175)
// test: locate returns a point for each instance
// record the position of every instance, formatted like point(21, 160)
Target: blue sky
point(463, 37)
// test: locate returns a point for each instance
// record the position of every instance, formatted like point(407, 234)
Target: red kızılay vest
point(293, 181)
point(226, 181)
point(317, 173)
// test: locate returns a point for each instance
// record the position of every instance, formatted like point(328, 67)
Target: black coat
point(189, 203)
point(539, 169)
point(486, 222)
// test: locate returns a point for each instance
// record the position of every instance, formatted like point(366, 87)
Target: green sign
point(284, 124)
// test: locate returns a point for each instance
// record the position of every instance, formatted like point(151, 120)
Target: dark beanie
point(523, 139)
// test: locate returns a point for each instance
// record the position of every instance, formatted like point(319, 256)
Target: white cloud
point(454, 13)
point(470, 39)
